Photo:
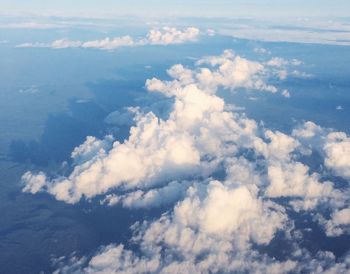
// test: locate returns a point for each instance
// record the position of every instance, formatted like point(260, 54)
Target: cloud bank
point(164, 36)
point(231, 186)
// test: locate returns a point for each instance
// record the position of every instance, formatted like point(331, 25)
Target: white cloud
point(119, 118)
point(165, 195)
point(210, 225)
point(30, 25)
point(261, 50)
point(208, 231)
point(228, 70)
point(277, 62)
point(211, 32)
point(164, 36)
point(339, 108)
point(334, 146)
point(295, 31)
point(109, 44)
point(167, 36)
point(286, 93)
point(339, 223)
point(337, 149)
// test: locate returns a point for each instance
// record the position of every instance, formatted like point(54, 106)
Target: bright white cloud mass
point(164, 36)
point(215, 223)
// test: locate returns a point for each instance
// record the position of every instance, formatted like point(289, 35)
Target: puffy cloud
point(282, 68)
point(121, 118)
point(228, 71)
point(165, 36)
point(34, 183)
point(91, 149)
point(225, 211)
point(339, 108)
point(155, 150)
point(155, 197)
point(293, 180)
point(198, 135)
point(334, 146)
point(339, 223)
point(209, 231)
point(337, 149)
point(218, 173)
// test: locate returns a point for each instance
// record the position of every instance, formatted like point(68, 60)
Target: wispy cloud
point(30, 25)
point(302, 31)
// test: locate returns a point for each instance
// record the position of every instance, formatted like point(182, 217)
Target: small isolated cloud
point(30, 90)
point(339, 108)
point(286, 93)
point(211, 32)
point(260, 50)
point(164, 36)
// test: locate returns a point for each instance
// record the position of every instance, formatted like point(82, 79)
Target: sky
point(251, 8)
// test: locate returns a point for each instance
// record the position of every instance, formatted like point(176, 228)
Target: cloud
point(339, 108)
point(30, 25)
point(286, 93)
point(261, 50)
point(118, 118)
point(334, 146)
point(339, 223)
point(165, 195)
point(337, 149)
point(315, 31)
point(34, 183)
point(164, 36)
point(167, 36)
point(228, 70)
point(231, 187)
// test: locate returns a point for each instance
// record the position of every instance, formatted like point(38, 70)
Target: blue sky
point(254, 8)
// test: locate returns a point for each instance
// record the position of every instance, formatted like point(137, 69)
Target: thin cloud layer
point(231, 186)
point(164, 36)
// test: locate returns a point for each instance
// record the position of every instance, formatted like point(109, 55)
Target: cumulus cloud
point(211, 228)
point(228, 183)
point(164, 36)
point(339, 223)
point(229, 71)
point(167, 35)
point(334, 146)
point(337, 149)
